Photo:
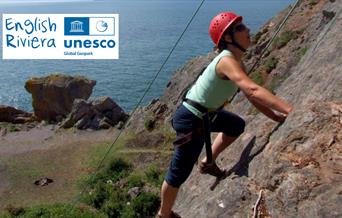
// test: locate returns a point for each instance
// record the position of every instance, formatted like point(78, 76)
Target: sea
point(148, 31)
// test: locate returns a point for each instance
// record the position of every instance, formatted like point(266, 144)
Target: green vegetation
point(270, 64)
point(284, 38)
point(108, 190)
point(170, 136)
point(301, 53)
point(113, 172)
point(149, 123)
point(145, 205)
point(56, 210)
point(257, 77)
point(108, 193)
point(276, 81)
point(135, 180)
point(10, 127)
point(154, 175)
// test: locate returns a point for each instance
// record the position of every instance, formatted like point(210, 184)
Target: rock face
point(53, 96)
point(297, 164)
point(100, 113)
point(14, 115)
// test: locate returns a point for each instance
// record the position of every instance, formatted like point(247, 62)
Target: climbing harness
point(208, 116)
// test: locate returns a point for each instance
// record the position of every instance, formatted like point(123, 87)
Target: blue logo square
point(75, 26)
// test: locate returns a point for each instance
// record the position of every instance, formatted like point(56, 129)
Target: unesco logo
point(89, 26)
point(60, 36)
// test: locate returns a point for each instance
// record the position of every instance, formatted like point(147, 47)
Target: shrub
point(135, 180)
point(59, 210)
point(257, 77)
point(270, 64)
point(117, 202)
point(98, 195)
point(117, 169)
point(301, 53)
point(149, 124)
point(145, 205)
point(14, 211)
point(154, 175)
point(284, 38)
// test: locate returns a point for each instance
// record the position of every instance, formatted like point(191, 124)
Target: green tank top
point(210, 90)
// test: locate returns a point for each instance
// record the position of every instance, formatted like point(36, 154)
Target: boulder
point(99, 113)
point(53, 96)
point(14, 115)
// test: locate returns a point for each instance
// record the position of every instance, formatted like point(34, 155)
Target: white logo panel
point(60, 36)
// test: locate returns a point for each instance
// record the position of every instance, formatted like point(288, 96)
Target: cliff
point(297, 165)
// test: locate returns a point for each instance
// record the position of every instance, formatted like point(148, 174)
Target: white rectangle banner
point(60, 36)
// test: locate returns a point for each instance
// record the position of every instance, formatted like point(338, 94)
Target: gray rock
point(100, 113)
point(134, 192)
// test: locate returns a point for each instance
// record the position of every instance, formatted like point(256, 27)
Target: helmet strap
point(234, 43)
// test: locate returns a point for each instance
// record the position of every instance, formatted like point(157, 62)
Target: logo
point(60, 36)
point(101, 26)
point(75, 26)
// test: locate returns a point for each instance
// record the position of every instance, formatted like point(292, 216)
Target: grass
point(108, 190)
point(68, 165)
point(284, 38)
point(257, 77)
point(149, 123)
point(10, 127)
point(276, 81)
point(154, 175)
point(55, 210)
point(71, 167)
point(301, 53)
point(63, 165)
point(270, 64)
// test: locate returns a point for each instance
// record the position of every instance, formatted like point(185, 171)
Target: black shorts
point(190, 140)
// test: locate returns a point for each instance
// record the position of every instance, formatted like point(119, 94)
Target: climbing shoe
point(211, 169)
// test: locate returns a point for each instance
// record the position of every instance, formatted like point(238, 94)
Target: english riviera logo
point(60, 36)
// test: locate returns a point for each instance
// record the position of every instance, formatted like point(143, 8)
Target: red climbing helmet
point(220, 23)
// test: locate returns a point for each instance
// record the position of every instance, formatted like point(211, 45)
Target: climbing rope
point(140, 101)
point(328, 29)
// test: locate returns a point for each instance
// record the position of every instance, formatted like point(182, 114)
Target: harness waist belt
point(197, 105)
point(200, 107)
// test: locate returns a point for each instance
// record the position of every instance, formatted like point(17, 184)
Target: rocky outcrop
point(14, 115)
point(100, 113)
point(297, 165)
point(53, 96)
